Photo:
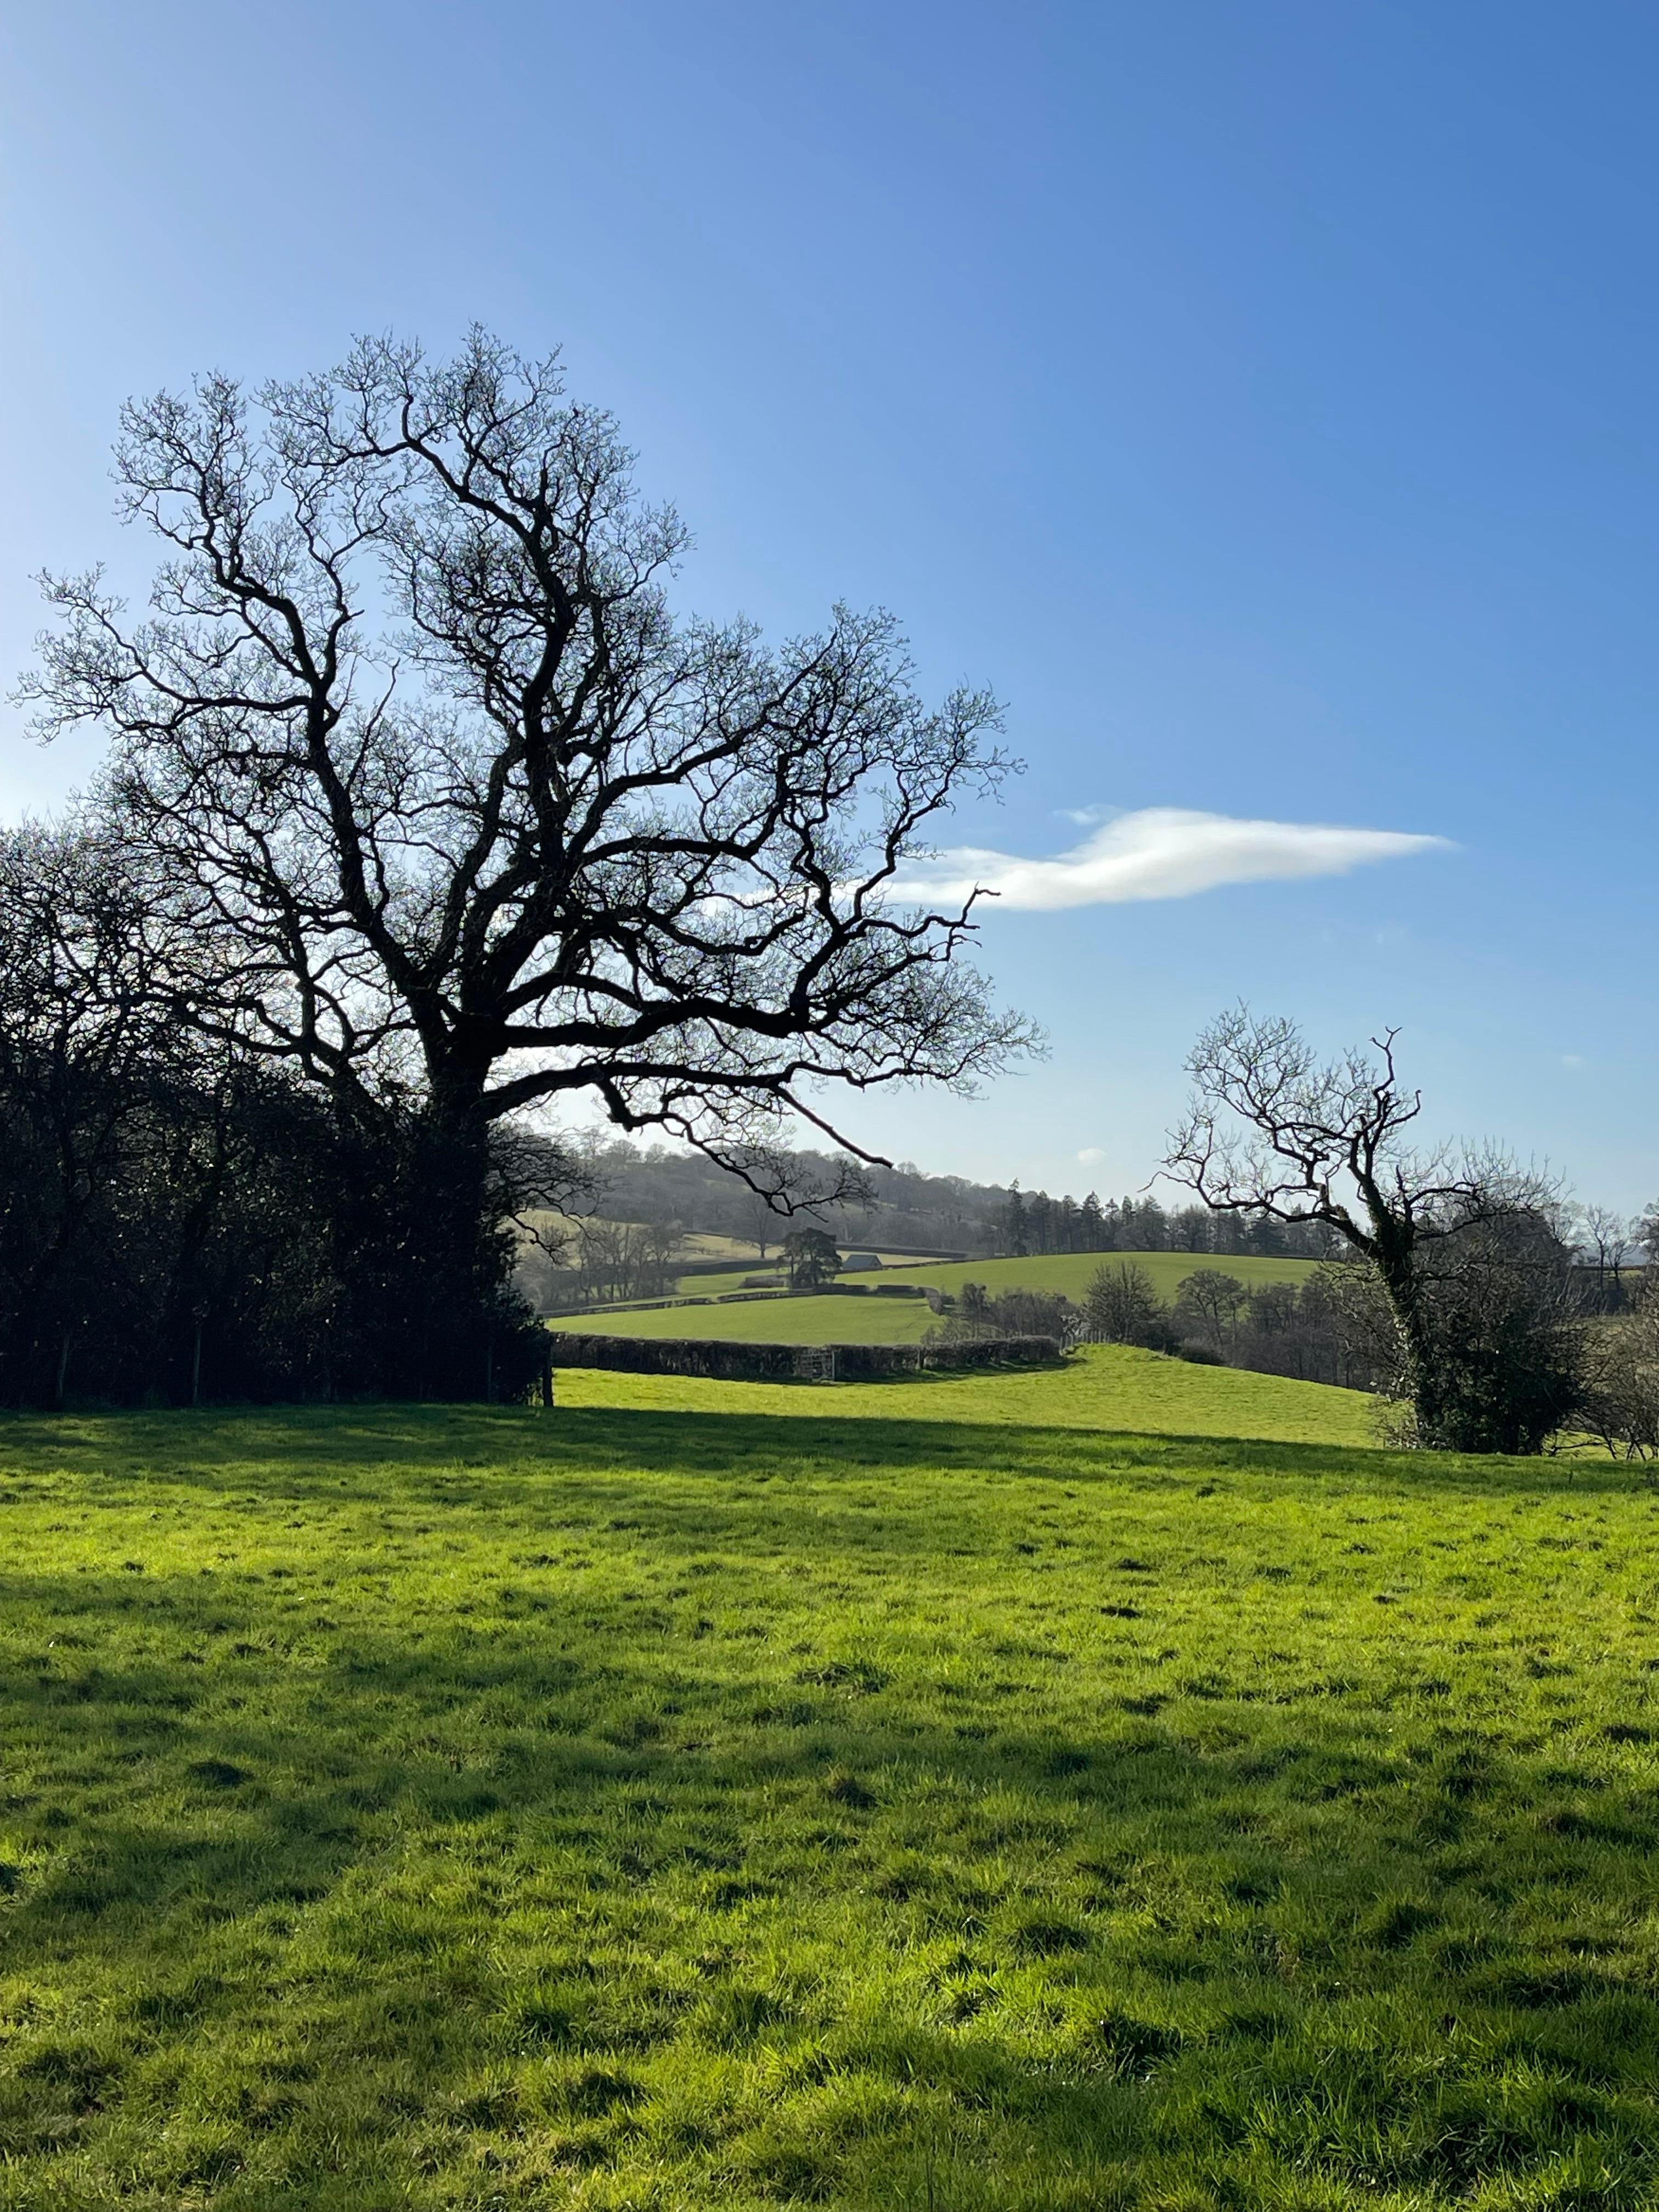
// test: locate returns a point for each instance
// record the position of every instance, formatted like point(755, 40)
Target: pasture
point(1069, 1272)
point(932, 1794)
point(1104, 1386)
point(866, 1318)
point(797, 1318)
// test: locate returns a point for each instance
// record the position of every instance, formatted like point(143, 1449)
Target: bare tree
point(1610, 1237)
point(1622, 1408)
point(88, 968)
point(1014, 1312)
point(170, 1209)
point(754, 1221)
point(1213, 1300)
point(411, 730)
point(1272, 1131)
point(626, 1259)
point(1121, 1306)
point(1606, 1239)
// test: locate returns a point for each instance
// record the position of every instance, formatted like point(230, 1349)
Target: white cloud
point(1158, 853)
point(1090, 1156)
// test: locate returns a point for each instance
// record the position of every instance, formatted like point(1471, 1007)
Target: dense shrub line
point(170, 1234)
point(182, 1218)
point(724, 1361)
point(1521, 1353)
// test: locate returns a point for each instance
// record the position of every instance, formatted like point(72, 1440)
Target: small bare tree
point(1121, 1306)
point(1605, 1238)
point(626, 1259)
point(1622, 1408)
point(1271, 1130)
point(754, 1220)
point(1609, 1237)
point(1213, 1300)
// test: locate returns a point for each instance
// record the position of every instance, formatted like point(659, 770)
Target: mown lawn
point(643, 1806)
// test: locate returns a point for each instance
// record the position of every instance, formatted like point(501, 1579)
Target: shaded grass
point(653, 1806)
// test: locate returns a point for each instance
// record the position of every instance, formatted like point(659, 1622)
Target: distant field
point(697, 1284)
point(706, 1245)
point(700, 1245)
point(703, 1283)
point(1066, 1271)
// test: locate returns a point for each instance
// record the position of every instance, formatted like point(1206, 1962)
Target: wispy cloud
point(1158, 853)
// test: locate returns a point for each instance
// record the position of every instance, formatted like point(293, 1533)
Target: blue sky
point(1262, 400)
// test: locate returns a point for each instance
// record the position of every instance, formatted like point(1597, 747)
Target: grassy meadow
point(799, 1319)
point(971, 1794)
point(1104, 1386)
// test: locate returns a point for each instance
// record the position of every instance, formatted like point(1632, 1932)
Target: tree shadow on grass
point(296, 1450)
point(390, 1880)
point(373, 1878)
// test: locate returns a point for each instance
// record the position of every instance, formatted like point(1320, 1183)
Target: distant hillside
point(903, 1208)
point(1066, 1274)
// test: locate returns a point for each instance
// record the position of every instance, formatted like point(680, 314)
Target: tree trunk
point(445, 1203)
point(461, 1328)
point(1395, 1259)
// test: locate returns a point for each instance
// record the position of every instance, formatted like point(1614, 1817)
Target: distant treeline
point(1313, 1332)
point(1307, 1331)
point(900, 1207)
point(1031, 1222)
point(725, 1359)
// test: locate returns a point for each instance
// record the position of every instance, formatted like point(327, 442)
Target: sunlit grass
point(905, 1796)
point(1101, 1387)
point(796, 1319)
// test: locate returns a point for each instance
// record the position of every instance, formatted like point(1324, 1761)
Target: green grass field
point(1104, 1386)
point(795, 1320)
point(907, 1795)
point(1066, 1271)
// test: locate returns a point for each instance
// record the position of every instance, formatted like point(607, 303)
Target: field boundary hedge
point(723, 1360)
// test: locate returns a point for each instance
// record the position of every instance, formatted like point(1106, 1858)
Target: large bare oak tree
point(411, 730)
